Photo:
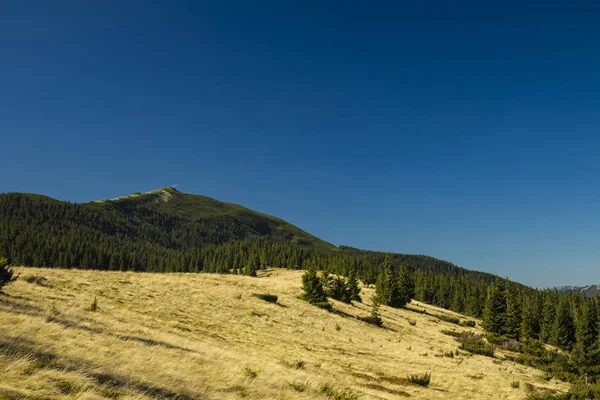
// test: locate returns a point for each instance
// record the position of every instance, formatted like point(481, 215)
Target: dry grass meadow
point(187, 336)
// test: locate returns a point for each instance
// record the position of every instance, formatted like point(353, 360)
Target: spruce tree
point(7, 275)
point(386, 282)
point(548, 317)
point(406, 288)
point(512, 323)
point(530, 322)
point(251, 265)
point(354, 287)
point(563, 331)
point(313, 287)
point(586, 352)
point(494, 312)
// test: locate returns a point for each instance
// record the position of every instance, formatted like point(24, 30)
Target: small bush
point(457, 334)
point(515, 384)
point(449, 354)
point(7, 275)
point(251, 373)
point(448, 318)
point(421, 380)
point(299, 364)
point(271, 298)
point(37, 280)
point(66, 387)
point(477, 345)
point(412, 322)
point(373, 320)
point(325, 305)
point(496, 339)
point(298, 386)
point(511, 345)
point(335, 394)
point(338, 328)
point(468, 323)
point(477, 376)
point(94, 305)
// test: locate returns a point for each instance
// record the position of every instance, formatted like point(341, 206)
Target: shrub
point(456, 334)
point(477, 345)
point(299, 364)
point(337, 327)
point(336, 394)
point(374, 318)
point(449, 354)
point(38, 280)
point(325, 305)
point(298, 386)
point(412, 322)
point(448, 318)
point(94, 305)
point(421, 380)
point(7, 275)
point(511, 345)
point(313, 288)
point(515, 384)
point(468, 322)
point(494, 338)
point(271, 298)
point(251, 373)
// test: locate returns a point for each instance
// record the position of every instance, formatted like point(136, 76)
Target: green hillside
point(194, 208)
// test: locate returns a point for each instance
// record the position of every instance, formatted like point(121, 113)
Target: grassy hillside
point(205, 336)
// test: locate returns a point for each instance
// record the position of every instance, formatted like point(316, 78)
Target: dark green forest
point(169, 231)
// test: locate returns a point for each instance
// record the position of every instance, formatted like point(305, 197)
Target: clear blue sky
point(461, 130)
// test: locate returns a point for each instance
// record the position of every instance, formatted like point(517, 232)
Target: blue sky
point(461, 130)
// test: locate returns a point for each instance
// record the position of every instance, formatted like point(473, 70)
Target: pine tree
point(586, 352)
point(406, 288)
point(512, 323)
point(313, 287)
point(530, 323)
point(7, 275)
point(563, 331)
point(251, 265)
point(548, 317)
point(494, 312)
point(354, 287)
point(386, 282)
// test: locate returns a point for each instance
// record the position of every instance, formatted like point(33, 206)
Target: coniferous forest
point(169, 231)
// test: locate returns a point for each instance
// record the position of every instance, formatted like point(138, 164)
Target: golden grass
point(200, 336)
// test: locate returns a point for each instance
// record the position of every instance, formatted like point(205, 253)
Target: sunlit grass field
point(200, 336)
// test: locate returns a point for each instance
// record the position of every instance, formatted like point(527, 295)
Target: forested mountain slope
point(169, 231)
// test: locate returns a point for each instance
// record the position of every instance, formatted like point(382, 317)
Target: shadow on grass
point(48, 360)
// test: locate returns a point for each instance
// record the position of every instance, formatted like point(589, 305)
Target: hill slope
point(194, 208)
point(204, 336)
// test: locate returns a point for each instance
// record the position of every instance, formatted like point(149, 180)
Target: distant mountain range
point(590, 290)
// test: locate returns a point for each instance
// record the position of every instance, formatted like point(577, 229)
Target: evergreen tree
point(530, 323)
point(548, 316)
point(563, 331)
point(251, 265)
point(313, 287)
point(494, 312)
point(386, 282)
point(354, 287)
point(512, 327)
point(406, 287)
point(586, 352)
point(7, 275)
